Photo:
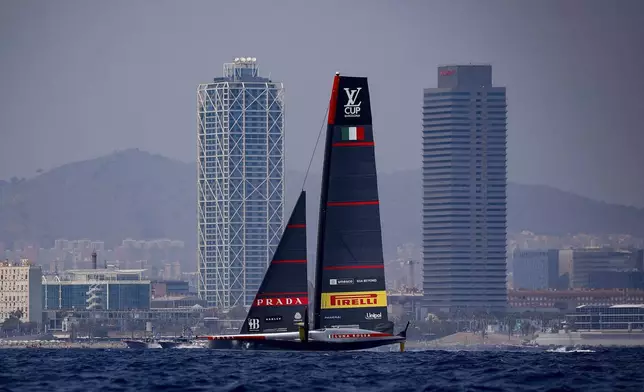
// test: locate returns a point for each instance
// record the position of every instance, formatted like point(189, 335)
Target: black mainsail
point(350, 278)
point(282, 298)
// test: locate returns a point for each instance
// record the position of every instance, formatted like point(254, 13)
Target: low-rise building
point(566, 300)
point(96, 289)
point(579, 264)
point(169, 288)
point(176, 302)
point(21, 291)
point(535, 269)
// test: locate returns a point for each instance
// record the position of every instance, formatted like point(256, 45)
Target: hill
point(140, 195)
point(126, 194)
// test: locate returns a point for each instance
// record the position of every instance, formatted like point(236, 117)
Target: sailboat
point(282, 298)
point(350, 300)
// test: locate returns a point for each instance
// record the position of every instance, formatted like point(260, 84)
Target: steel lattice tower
point(240, 187)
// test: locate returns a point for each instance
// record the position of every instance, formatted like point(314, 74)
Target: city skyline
point(573, 93)
point(175, 175)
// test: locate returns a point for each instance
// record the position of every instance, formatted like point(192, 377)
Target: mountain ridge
point(136, 194)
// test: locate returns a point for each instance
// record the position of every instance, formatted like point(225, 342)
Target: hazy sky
point(79, 79)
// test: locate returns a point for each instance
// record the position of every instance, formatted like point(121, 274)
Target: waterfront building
point(96, 290)
point(21, 290)
point(464, 191)
point(616, 317)
point(240, 186)
point(564, 300)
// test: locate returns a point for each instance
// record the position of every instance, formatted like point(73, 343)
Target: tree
point(12, 323)
point(18, 313)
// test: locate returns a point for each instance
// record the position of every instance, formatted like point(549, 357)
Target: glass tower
point(464, 191)
point(240, 182)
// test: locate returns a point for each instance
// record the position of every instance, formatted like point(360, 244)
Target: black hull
point(285, 345)
point(289, 345)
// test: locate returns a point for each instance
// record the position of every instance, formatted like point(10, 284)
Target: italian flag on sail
point(353, 133)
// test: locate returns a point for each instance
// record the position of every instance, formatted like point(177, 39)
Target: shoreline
point(60, 345)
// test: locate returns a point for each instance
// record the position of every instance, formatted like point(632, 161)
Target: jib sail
point(350, 278)
point(282, 297)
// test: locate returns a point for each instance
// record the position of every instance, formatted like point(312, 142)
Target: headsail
point(350, 278)
point(282, 298)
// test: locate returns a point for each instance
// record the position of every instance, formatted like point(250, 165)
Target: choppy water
point(203, 370)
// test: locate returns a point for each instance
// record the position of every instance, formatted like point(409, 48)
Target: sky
point(80, 79)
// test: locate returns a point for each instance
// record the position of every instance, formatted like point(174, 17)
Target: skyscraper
point(240, 181)
point(464, 191)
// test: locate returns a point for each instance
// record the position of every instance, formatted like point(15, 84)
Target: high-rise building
point(240, 148)
point(464, 191)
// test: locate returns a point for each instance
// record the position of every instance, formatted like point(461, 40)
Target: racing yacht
point(350, 299)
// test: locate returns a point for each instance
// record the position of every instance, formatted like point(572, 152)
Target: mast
point(317, 297)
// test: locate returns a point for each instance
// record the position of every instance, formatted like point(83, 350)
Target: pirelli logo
point(359, 299)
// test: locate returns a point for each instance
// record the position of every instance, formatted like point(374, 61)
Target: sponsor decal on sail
point(373, 316)
point(253, 324)
point(273, 319)
point(359, 299)
point(284, 301)
point(345, 281)
point(368, 280)
point(352, 133)
point(297, 316)
point(352, 107)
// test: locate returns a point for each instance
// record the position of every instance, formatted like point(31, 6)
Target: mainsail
point(282, 298)
point(350, 278)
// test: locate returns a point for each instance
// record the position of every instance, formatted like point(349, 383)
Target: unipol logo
point(253, 324)
point(286, 301)
point(352, 107)
point(373, 316)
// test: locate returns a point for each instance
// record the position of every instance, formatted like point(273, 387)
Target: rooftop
point(620, 306)
point(109, 274)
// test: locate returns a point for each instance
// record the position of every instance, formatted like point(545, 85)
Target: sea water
point(213, 370)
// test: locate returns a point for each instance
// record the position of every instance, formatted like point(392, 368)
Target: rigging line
point(347, 247)
point(315, 147)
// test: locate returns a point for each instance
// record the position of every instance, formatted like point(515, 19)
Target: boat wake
point(187, 346)
point(569, 350)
